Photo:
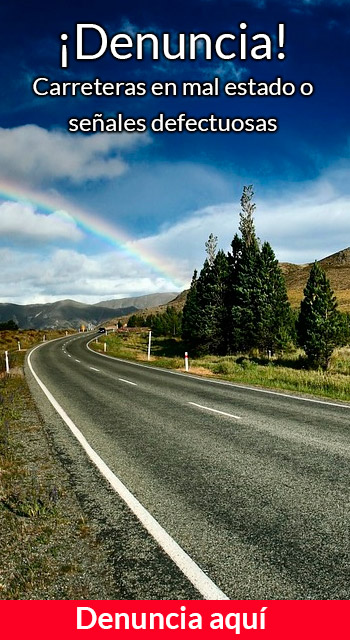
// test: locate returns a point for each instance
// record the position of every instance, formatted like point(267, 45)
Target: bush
point(226, 367)
point(246, 363)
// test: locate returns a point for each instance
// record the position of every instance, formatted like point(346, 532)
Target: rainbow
point(90, 223)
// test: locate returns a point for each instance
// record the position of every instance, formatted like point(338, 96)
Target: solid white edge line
point(222, 413)
point(235, 385)
point(127, 382)
point(204, 585)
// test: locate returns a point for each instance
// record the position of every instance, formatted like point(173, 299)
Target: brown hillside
point(336, 266)
point(177, 302)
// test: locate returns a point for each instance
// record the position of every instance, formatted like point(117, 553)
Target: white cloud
point(30, 277)
point(303, 223)
point(37, 155)
point(21, 223)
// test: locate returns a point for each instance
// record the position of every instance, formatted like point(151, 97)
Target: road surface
point(253, 485)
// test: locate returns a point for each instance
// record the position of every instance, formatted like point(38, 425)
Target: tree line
point(239, 302)
point(10, 325)
point(167, 323)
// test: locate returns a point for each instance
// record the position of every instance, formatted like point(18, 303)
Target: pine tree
point(217, 311)
point(246, 225)
point(210, 247)
point(132, 320)
point(204, 322)
point(345, 328)
point(244, 264)
point(234, 259)
point(318, 325)
point(192, 315)
point(273, 311)
point(246, 294)
point(260, 311)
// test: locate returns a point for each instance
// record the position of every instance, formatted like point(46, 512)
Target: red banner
point(270, 619)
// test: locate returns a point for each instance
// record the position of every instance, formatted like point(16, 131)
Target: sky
point(109, 215)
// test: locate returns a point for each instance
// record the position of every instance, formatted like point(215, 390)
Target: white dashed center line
point(77, 360)
point(127, 382)
point(93, 368)
point(222, 413)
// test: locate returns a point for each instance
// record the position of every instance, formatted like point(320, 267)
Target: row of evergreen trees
point(239, 301)
point(10, 325)
point(168, 323)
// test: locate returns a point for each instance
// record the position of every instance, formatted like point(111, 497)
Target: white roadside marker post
point(149, 345)
point(186, 361)
point(7, 362)
point(105, 347)
point(19, 345)
point(44, 338)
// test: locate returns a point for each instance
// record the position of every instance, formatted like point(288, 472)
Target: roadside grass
point(287, 372)
point(27, 338)
point(166, 352)
point(48, 550)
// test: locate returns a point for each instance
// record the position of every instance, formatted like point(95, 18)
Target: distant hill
point(337, 268)
point(177, 302)
point(139, 302)
point(65, 314)
point(69, 314)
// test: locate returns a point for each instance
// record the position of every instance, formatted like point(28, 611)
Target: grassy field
point(27, 338)
point(343, 298)
point(288, 372)
point(48, 548)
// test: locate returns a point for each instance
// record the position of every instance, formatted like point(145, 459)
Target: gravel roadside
point(49, 548)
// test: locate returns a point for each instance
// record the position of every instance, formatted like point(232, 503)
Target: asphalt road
point(253, 486)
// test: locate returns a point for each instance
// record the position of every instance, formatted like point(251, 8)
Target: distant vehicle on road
point(102, 330)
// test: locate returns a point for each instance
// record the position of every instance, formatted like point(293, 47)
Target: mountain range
point(69, 314)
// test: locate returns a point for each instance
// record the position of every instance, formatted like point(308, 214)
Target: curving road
point(253, 485)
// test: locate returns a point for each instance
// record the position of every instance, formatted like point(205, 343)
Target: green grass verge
point(285, 373)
